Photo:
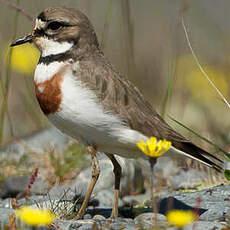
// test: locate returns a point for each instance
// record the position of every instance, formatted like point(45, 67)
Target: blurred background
point(146, 42)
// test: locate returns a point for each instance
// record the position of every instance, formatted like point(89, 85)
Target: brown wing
point(121, 97)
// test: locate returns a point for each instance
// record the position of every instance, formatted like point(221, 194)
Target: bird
point(84, 96)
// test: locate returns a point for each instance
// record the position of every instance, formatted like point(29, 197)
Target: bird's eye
point(54, 25)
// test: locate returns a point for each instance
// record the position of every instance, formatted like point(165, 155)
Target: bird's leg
point(95, 175)
point(117, 174)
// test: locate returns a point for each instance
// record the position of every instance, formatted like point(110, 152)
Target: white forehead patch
point(39, 24)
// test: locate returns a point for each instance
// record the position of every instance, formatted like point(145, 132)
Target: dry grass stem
point(199, 65)
point(18, 8)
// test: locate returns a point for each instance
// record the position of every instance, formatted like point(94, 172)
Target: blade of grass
point(31, 106)
point(171, 74)
point(201, 137)
point(107, 22)
point(127, 29)
point(8, 78)
point(2, 93)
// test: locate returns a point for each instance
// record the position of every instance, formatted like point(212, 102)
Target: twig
point(199, 65)
point(32, 180)
point(197, 212)
point(18, 8)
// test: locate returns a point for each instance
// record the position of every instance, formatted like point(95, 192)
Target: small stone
point(87, 217)
point(99, 217)
point(82, 225)
point(146, 220)
point(15, 185)
point(122, 224)
point(149, 216)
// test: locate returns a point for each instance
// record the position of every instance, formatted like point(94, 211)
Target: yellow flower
point(180, 218)
point(24, 58)
point(35, 216)
point(154, 148)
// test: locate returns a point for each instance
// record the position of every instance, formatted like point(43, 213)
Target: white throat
point(51, 47)
point(45, 72)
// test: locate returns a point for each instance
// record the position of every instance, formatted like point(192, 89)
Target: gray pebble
point(87, 217)
point(99, 217)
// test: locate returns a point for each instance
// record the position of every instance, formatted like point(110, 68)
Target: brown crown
point(76, 26)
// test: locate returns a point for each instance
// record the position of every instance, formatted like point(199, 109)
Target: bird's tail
point(196, 153)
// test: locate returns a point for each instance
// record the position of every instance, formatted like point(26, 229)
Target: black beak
point(27, 38)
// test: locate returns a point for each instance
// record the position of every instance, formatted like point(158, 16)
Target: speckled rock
point(215, 200)
point(106, 179)
point(75, 225)
point(15, 186)
point(105, 198)
point(37, 142)
point(188, 178)
point(147, 220)
point(205, 225)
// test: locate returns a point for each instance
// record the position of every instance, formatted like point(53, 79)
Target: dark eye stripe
point(55, 25)
point(63, 23)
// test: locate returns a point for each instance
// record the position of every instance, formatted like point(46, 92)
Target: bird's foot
point(79, 215)
point(114, 213)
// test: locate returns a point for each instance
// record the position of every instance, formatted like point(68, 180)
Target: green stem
point(8, 78)
point(168, 94)
point(201, 137)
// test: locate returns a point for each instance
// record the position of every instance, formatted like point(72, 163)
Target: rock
point(164, 207)
point(146, 220)
point(75, 224)
point(215, 200)
point(64, 192)
point(201, 225)
point(106, 179)
point(17, 185)
point(121, 225)
point(166, 167)
point(187, 178)
point(136, 199)
point(6, 203)
point(87, 217)
point(82, 225)
point(213, 215)
point(37, 142)
point(99, 217)
point(105, 198)
point(118, 224)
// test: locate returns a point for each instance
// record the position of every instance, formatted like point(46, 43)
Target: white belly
point(82, 117)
